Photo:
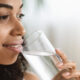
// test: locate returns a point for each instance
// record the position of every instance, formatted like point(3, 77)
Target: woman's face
point(11, 29)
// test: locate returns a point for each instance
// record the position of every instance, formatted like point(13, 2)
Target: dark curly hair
point(14, 71)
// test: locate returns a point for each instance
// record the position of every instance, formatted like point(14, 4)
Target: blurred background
point(60, 20)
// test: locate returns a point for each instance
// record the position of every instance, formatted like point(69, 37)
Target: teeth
point(15, 46)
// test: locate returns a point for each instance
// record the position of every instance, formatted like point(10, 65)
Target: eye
point(20, 16)
point(4, 17)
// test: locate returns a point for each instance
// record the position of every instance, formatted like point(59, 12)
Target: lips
point(14, 46)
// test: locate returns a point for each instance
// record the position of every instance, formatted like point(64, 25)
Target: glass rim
point(33, 36)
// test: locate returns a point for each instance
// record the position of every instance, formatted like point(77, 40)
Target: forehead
point(15, 3)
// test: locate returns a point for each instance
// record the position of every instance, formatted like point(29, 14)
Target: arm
point(30, 76)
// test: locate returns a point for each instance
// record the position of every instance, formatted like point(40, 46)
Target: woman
point(12, 63)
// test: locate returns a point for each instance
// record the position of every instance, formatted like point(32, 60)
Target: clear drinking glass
point(41, 55)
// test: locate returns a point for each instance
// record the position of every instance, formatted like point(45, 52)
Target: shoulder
point(30, 76)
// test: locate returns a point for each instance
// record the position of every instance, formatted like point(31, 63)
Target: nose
point(18, 29)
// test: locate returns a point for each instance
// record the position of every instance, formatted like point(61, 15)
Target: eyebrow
point(8, 6)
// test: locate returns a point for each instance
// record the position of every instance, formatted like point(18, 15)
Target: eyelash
point(20, 16)
point(6, 16)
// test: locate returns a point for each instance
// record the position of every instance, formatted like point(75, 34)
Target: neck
point(8, 60)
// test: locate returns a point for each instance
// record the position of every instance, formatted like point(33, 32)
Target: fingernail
point(66, 74)
point(60, 64)
point(57, 49)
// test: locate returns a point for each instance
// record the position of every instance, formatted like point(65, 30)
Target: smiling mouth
point(14, 47)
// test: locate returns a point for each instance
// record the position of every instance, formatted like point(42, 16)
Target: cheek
point(3, 35)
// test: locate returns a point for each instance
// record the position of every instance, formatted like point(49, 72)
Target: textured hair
point(14, 71)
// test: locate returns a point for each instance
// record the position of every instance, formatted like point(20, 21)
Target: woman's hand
point(67, 69)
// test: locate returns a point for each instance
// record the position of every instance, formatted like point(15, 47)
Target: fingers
point(62, 55)
point(71, 66)
point(67, 70)
point(74, 75)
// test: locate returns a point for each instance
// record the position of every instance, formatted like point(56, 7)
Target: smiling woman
point(13, 66)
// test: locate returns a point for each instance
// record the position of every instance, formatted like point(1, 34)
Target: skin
point(67, 69)
point(12, 30)
point(30, 76)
